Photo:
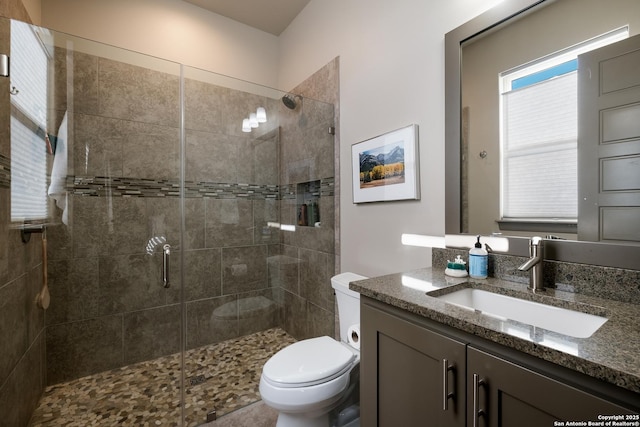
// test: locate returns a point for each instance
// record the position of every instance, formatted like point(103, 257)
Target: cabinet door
point(510, 395)
point(407, 371)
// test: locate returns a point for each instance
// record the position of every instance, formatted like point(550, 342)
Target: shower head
point(289, 101)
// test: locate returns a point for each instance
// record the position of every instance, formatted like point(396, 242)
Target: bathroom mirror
point(481, 28)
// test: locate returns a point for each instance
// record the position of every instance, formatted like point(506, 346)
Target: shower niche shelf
point(308, 204)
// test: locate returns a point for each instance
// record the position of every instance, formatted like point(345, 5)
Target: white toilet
point(309, 378)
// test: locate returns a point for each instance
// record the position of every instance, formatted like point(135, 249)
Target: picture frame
point(386, 167)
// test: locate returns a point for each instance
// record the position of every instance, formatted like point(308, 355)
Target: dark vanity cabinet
point(416, 372)
point(410, 376)
point(502, 393)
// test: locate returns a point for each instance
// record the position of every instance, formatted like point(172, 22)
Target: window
point(29, 143)
point(539, 136)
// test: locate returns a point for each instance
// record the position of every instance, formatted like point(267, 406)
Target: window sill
point(555, 226)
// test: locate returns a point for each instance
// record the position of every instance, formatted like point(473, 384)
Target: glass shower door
point(101, 125)
point(231, 198)
point(255, 272)
point(183, 248)
point(124, 157)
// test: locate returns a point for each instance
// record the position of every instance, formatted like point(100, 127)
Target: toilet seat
point(308, 362)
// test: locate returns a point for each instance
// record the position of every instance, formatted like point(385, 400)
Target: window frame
point(32, 123)
point(538, 68)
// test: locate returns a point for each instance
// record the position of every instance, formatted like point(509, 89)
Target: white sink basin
point(561, 320)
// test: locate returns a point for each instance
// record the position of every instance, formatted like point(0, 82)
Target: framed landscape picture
point(385, 168)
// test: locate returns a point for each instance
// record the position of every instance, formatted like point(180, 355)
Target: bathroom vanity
point(428, 360)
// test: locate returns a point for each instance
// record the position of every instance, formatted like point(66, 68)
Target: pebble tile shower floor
point(224, 375)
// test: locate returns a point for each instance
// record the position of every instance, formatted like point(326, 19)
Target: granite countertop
point(611, 354)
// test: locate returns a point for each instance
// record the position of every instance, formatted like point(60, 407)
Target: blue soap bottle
point(478, 261)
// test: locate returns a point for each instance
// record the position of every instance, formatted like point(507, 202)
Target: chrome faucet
point(534, 264)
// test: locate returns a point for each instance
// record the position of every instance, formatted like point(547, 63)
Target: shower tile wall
point(21, 322)
point(308, 257)
point(108, 307)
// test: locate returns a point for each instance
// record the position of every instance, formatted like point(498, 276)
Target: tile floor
point(255, 415)
point(224, 376)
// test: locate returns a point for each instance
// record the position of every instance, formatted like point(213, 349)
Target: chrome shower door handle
point(166, 252)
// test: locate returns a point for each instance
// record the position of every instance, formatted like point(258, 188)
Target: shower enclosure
point(160, 227)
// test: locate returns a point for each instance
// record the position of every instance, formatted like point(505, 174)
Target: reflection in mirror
point(473, 155)
point(520, 110)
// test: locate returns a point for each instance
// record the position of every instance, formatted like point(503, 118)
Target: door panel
point(609, 143)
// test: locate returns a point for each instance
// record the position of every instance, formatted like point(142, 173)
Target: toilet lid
point(308, 361)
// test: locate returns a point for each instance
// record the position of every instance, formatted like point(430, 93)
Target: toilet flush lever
point(166, 252)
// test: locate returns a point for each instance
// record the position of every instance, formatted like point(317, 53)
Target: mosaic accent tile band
point(139, 187)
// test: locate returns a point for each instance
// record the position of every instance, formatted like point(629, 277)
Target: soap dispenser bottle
point(478, 261)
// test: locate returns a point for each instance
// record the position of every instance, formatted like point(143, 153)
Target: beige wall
point(34, 9)
point(173, 30)
point(14, 9)
point(391, 75)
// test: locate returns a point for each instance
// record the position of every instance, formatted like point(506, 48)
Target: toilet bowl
point(306, 380)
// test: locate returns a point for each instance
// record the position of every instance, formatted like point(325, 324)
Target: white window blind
point(28, 124)
point(539, 135)
point(539, 148)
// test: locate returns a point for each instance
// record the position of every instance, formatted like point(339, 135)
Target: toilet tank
point(348, 301)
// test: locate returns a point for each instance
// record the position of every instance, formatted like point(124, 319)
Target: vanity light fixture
point(467, 241)
point(423, 240)
point(261, 115)
point(461, 241)
point(254, 119)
